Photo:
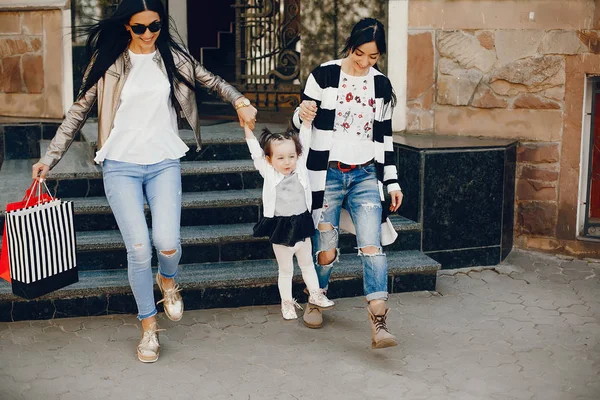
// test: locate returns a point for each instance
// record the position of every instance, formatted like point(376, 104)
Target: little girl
point(286, 207)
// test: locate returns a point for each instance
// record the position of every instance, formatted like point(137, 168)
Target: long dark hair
point(108, 39)
point(365, 31)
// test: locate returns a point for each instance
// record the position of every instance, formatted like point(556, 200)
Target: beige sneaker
point(288, 309)
point(313, 317)
point(380, 335)
point(149, 348)
point(173, 303)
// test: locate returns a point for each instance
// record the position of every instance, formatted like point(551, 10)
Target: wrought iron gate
point(267, 58)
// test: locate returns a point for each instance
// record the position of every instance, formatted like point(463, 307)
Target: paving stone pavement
point(526, 329)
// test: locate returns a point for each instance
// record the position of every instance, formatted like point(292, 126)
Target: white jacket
point(272, 177)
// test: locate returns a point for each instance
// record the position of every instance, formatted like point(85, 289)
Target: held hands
point(247, 115)
point(39, 171)
point(308, 111)
point(396, 196)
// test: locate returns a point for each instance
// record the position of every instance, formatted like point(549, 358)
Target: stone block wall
point(499, 69)
point(31, 63)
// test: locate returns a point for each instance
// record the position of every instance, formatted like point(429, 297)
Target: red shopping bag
point(34, 195)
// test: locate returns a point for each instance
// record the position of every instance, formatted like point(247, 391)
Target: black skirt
point(286, 231)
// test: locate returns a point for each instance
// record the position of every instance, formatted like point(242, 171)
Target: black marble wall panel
point(462, 199)
point(82, 306)
point(409, 171)
point(237, 251)
point(24, 310)
point(407, 240)
point(49, 130)
point(218, 216)
point(210, 152)
point(105, 259)
point(239, 296)
point(72, 188)
point(207, 182)
point(95, 187)
point(122, 304)
point(191, 254)
point(22, 141)
point(413, 282)
point(94, 222)
point(252, 180)
point(467, 257)
point(103, 221)
point(508, 217)
point(6, 311)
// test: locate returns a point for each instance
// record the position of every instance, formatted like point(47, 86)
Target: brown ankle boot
point(313, 316)
point(380, 336)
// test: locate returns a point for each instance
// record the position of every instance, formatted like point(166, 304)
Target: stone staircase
point(220, 60)
point(222, 264)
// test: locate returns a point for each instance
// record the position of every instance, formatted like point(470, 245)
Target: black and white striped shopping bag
point(42, 248)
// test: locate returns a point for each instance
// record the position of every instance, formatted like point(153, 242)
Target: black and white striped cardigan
point(322, 87)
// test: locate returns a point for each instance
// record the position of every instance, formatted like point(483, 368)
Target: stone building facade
point(485, 68)
point(33, 59)
point(512, 69)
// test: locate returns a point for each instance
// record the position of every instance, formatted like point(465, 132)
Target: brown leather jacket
point(107, 91)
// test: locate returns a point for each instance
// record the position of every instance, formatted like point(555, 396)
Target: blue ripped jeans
point(126, 185)
point(357, 192)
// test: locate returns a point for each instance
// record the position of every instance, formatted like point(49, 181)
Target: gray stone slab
point(239, 273)
point(207, 234)
point(221, 133)
point(15, 178)
point(225, 198)
point(76, 162)
point(80, 168)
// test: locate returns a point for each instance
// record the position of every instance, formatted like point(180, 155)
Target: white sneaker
point(318, 298)
point(173, 302)
point(148, 349)
point(288, 309)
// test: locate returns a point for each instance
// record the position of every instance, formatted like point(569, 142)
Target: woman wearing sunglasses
point(142, 81)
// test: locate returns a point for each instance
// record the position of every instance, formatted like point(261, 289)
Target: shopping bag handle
point(36, 184)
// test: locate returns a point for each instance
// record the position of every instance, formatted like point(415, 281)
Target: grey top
point(290, 197)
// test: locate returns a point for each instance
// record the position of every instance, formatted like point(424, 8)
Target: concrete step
point(214, 243)
point(76, 176)
point(220, 141)
point(209, 285)
point(198, 208)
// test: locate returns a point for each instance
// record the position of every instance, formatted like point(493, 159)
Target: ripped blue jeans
point(126, 185)
point(358, 193)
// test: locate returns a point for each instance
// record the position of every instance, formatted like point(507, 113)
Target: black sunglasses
point(140, 29)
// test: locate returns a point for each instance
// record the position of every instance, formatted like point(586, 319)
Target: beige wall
point(31, 63)
point(501, 14)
